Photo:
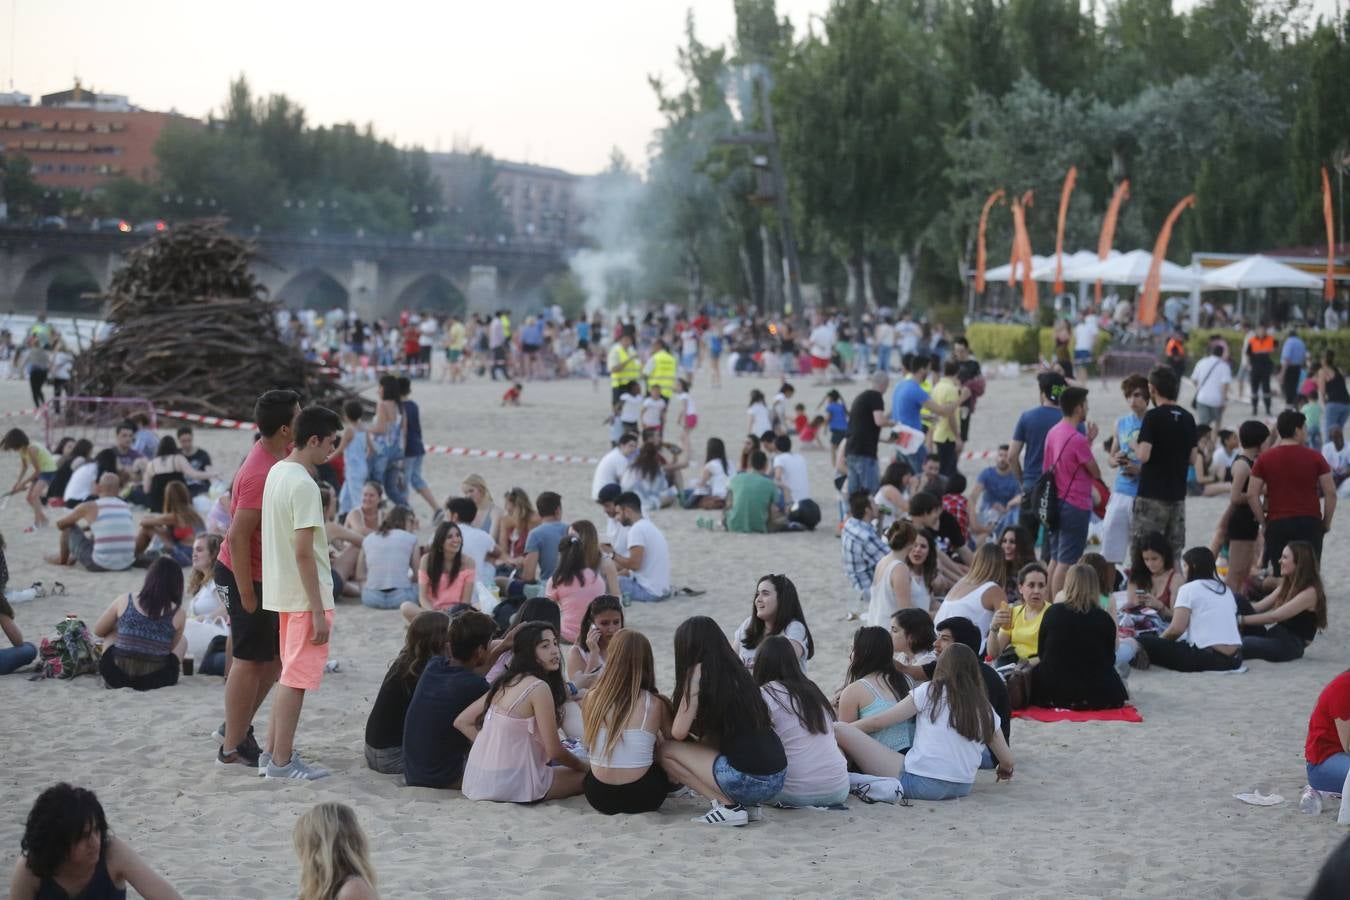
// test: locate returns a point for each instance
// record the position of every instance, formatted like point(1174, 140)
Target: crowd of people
point(1035, 582)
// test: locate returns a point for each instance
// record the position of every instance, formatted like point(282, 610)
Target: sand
point(1095, 810)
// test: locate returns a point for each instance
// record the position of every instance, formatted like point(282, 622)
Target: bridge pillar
point(364, 297)
point(483, 296)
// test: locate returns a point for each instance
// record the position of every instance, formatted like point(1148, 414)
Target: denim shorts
point(391, 599)
point(740, 787)
point(917, 787)
point(1068, 542)
point(833, 798)
point(412, 470)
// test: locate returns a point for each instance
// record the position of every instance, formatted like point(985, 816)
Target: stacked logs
point(193, 330)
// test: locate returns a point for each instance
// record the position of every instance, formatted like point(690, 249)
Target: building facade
point(541, 202)
point(79, 139)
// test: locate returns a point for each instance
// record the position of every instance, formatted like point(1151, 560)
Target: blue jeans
point(917, 787)
point(393, 599)
point(1334, 416)
point(12, 659)
point(412, 468)
point(1329, 774)
point(386, 468)
point(629, 587)
point(744, 788)
point(883, 359)
point(864, 474)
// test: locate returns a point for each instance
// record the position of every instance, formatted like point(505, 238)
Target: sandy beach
point(1095, 810)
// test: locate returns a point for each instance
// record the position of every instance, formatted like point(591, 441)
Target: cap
point(609, 493)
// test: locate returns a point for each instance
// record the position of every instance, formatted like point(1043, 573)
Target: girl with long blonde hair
point(979, 592)
point(511, 529)
point(177, 527)
point(475, 488)
point(334, 856)
point(625, 717)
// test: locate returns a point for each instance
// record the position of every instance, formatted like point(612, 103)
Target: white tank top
point(635, 749)
point(970, 607)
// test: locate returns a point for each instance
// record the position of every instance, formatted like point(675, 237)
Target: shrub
point(1013, 343)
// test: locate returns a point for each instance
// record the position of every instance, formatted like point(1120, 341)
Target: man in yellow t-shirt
point(947, 432)
point(297, 583)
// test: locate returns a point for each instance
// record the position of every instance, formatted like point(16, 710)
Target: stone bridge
point(56, 271)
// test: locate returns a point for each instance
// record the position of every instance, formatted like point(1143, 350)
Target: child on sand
point(512, 395)
point(653, 414)
point(355, 449)
point(33, 454)
point(334, 857)
point(688, 416)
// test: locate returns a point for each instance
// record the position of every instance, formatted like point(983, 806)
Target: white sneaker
point(872, 789)
point(265, 762)
point(723, 815)
point(297, 769)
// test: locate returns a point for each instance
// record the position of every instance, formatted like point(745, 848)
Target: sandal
point(58, 589)
point(39, 591)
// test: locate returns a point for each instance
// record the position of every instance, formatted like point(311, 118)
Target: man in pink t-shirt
point(254, 633)
point(1069, 453)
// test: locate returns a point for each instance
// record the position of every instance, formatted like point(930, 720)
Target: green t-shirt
point(751, 494)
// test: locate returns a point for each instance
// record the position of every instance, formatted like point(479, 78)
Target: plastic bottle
point(1310, 801)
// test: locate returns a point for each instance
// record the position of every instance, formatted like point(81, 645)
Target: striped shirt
point(114, 534)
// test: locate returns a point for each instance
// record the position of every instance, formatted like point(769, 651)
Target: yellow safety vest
point(663, 373)
point(627, 370)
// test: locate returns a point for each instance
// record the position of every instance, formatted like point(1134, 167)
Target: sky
point(540, 81)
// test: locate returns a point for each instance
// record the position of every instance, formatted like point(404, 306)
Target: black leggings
point(1260, 378)
point(1183, 657)
point(1290, 384)
point(114, 677)
point(36, 379)
point(641, 796)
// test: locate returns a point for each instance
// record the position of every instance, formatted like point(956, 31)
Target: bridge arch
point(314, 288)
point(432, 293)
point(63, 284)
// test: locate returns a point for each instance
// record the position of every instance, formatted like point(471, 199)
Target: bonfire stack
point(193, 330)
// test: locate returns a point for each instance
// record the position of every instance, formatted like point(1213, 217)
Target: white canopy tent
point(1000, 273)
point(1258, 273)
point(1043, 267)
point(1132, 268)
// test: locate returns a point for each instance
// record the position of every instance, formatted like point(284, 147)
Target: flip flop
point(689, 592)
point(58, 588)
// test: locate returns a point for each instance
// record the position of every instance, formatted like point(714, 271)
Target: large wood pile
point(193, 330)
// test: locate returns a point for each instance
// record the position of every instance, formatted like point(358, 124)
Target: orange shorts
point(301, 661)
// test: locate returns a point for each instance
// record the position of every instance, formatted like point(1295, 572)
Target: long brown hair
point(197, 579)
point(178, 503)
point(590, 542)
point(958, 682)
point(629, 670)
point(986, 566)
point(428, 636)
point(1305, 576)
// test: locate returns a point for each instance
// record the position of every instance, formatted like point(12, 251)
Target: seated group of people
point(515, 718)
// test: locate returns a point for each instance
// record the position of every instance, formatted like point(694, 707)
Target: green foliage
point(21, 193)
point(1197, 343)
point(1014, 343)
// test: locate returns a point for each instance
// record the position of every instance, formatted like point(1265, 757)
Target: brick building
point(79, 138)
point(542, 202)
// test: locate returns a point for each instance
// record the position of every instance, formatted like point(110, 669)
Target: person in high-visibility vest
point(623, 366)
point(1260, 352)
point(661, 369)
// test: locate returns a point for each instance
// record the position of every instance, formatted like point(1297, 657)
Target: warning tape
point(371, 370)
point(38, 411)
point(509, 455)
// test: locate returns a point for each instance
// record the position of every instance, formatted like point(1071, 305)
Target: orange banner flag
point(1022, 252)
point(1108, 235)
point(1059, 229)
point(1329, 289)
point(995, 197)
point(1148, 302)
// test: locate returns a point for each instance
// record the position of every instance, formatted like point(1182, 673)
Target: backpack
point(1045, 500)
point(70, 653)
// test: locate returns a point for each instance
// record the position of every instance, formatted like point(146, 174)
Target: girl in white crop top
point(624, 719)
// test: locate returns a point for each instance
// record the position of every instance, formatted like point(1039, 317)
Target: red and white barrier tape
point(39, 411)
point(979, 454)
point(372, 370)
point(509, 455)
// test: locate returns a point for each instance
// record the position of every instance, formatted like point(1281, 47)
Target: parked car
point(52, 223)
point(151, 226)
point(121, 225)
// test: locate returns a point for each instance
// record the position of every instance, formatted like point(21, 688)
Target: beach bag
point(70, 653)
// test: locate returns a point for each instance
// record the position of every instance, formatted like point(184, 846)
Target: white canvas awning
point(1257, 273)
point(1132, 268)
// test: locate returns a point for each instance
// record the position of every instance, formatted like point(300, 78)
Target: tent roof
point(1132, 268)
point(1256, 273)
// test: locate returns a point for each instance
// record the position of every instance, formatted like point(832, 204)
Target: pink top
point(1068, 451)
point(815, 765)
point(246, 493)
point(448, 593)
point(508, 762)
point(574, 598)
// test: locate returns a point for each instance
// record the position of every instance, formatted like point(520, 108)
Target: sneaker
point(297, 770)
point(265, 762)
point(237, 760)
point(219, 735)
point(723, 815)
point(875, 789)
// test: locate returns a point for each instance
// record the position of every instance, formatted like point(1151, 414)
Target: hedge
point(1026, 344)
point(1197, 343)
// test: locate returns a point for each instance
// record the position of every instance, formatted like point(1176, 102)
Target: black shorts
point(1242, 525)
point(255, 636)
point(642, 796)
point(530, 348)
